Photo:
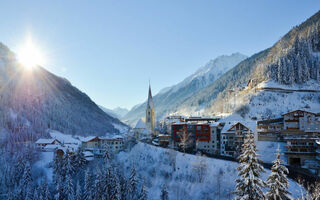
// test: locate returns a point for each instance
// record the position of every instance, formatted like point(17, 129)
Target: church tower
point(150, 113)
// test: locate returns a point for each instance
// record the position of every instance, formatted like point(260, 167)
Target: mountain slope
point(116, 112)
point(294, 59)
point(33, 101)
point(168, 99)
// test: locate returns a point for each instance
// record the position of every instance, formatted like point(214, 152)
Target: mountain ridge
point(37, 100)
point(169, 98)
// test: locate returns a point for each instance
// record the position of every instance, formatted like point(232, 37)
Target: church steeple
point(150, 112)
point(150, 100)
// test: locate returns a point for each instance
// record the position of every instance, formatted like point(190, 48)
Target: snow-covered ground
point(310, 85)
point(155, 167)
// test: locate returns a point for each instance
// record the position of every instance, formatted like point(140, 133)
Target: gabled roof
point(248, 124)
point(45, 141)
point(89, 138)
point(298, 110)
point(140, 125)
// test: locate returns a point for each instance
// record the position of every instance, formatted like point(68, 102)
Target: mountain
point(116, 112)
point(292, 63)
point(33, 101)
point(169, 99)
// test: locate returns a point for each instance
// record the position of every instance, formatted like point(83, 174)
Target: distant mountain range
point(116, 112)
point(33, 101)
point(169, 99)
point(293, 61)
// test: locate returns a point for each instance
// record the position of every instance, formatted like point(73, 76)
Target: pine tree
point(277, 181)
point(143, 194)
point(133, 182)
point(59, 189)
point(88, 186)
point(69, 191)
point(78, 192)
point(164, 193)
point(249, 185)
point(99, 185)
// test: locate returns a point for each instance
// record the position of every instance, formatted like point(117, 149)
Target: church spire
point(150, 100)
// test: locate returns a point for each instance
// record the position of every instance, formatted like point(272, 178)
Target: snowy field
point(215, 180)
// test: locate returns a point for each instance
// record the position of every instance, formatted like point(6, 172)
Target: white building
point(233, 135)
point(213, 145)
point(42, 143)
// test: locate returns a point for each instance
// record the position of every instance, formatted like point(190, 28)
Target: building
point(300, 121)
point(150, 113)
point(141, 132)
point(42, 143)
point(233, 135)
point(164, 140)
point(270, 130)
point(211, 142)
point(99, 145)
point(302, 151)
point(195, 135)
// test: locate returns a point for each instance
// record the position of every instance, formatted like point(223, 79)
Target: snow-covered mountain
point(168, 99)
point(292, 62)
point(33, 101)
point(116, 112)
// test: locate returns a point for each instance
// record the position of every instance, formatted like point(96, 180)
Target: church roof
point(150, 100)
point(140, 125)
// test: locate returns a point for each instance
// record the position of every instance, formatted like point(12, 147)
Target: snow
point(63, 138)
point(140, 125)
point(154, 167)
point(122, 129)
point(44, 162)
point(310, 85)
point(45, 141)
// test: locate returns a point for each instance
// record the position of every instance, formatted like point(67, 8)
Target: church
point(147, 129)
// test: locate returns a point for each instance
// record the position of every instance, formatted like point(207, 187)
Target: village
point(298, 130)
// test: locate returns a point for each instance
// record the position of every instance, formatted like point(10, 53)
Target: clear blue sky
point(110, 49)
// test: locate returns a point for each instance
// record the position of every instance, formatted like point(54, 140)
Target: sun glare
point(29, 55)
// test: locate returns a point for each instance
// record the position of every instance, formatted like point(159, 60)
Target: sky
point(111, 49)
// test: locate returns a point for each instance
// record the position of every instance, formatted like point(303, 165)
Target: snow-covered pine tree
point(117, 189)
point(249, 185)
point(133, 183)
point(88, 186)
point(60, 194)
point(79, 159)
point(78, 192)
point(143, 194)
point(68, 188)
point(99, 185)
point(277, 181)
point(164, 193)
point(68, 164)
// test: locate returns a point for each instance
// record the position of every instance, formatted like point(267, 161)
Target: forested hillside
point(33, 101)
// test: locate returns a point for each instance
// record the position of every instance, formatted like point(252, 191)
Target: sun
point(29, 55)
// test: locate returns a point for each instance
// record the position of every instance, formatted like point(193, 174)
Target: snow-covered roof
point(252, 125)
point(112, 137)
point(87, 154)
point(52, 146)
point(140, 125)
point(214, 124)
point(45, 141)
point(89, 138)
point(299, 110)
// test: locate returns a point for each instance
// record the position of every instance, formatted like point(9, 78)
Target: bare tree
point(200, 167)
point(185, 140)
